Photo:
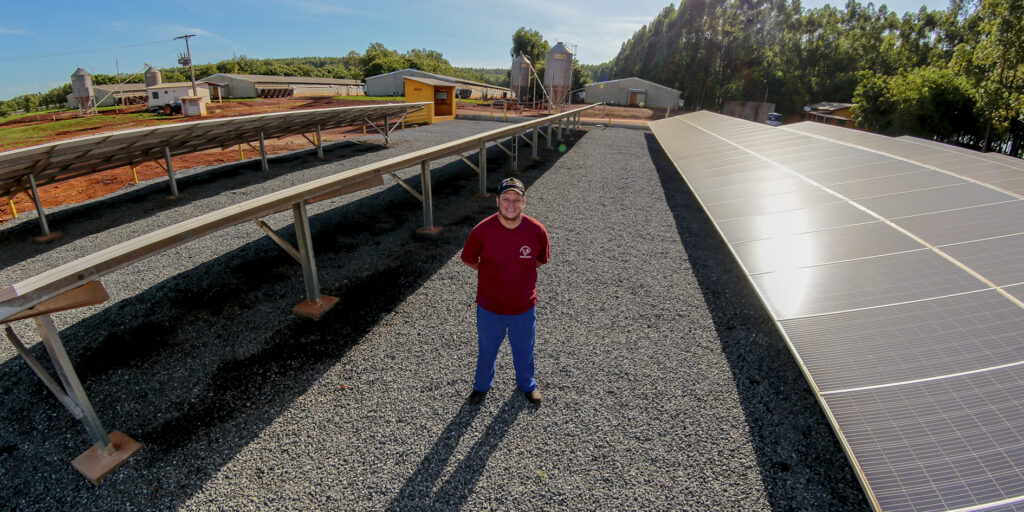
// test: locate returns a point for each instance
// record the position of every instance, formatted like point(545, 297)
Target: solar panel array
point(895, 275)
point(57, 161)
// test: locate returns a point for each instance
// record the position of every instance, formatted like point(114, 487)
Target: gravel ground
point(665, 384)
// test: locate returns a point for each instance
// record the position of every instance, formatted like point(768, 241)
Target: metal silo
point(520, 77)
point(81, 88)
point(558, 73)
point(153, 77)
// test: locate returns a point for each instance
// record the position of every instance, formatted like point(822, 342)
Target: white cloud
point(11, 31)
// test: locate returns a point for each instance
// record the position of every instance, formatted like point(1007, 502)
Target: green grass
point(21, 136)
point(474, 101)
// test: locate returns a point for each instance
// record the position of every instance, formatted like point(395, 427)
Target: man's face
point(511, 204)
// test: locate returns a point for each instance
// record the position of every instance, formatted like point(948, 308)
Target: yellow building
point(439, 92)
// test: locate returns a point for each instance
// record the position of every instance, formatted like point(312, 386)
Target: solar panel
point(57, 161)
point(986, 168)
point(888, 293)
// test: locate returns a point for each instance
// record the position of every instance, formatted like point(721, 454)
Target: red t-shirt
point(507, 278)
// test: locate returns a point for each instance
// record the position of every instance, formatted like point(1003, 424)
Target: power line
point(78, 52)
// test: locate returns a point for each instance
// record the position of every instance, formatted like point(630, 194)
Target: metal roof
point(443, 78)
point(430, 81)
point(286, 79)
point(58, 161)
point(898, 286)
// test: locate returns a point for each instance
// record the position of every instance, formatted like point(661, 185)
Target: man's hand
point(474, 266)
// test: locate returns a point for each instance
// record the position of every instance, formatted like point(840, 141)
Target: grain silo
point(81, 88)
point(558, 73)
point(519, 77)
point(153, 77)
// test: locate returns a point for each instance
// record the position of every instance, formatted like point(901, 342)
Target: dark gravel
point(665, 384)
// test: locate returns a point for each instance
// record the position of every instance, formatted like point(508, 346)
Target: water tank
point(558, 73)
point(520, 76)
point(81, 87)
point(153, 77)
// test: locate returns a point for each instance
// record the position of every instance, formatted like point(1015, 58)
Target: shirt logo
point(524, 251)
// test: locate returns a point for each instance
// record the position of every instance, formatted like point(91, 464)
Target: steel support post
point(307, 260)
point(559, 131)
point(263, 153)
point(315, 304)
point(547, 136)
point(387, 130)
point(39, 206)
point(428, 201)
point(319, 143)
point(513, 162)
point(170, 171)
point(482, 164)
point(73, 387)
point(533, 147)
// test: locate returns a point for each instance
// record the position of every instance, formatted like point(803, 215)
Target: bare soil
point(100, 184)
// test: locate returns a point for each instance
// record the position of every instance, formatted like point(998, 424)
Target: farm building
point(169, 92)
point(393, 84)
point(440, 93)
point(113, 94)
point(230, 85)
point(829, 112)
point(633, 92)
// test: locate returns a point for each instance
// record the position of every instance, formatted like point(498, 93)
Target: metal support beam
point(170, 171)
point(482, 163)
point(428, 201)
point(513, 163)
point(547, 136)
point(319, 143)
point(533, 144)
point(72, 386)
point(387, 132)
point(406, 186)
point(108, 451)
point(470, 164)
point(287, 247)
point(315, 304)
point(306, 252)
point(263, 153)
point(39, 206)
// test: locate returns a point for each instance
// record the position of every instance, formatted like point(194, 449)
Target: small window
point(156, 95)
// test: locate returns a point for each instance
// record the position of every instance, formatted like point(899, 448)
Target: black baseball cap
point(511, 184)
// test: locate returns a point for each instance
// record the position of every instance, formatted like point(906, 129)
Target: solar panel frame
point(62, 160)
point(971, 329)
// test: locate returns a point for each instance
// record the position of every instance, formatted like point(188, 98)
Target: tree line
point(376, 60)
point(955, 75)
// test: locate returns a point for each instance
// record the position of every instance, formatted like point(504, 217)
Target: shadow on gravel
point(197, 366)
point(149, 197)
point(453, 493)
point(802, 465)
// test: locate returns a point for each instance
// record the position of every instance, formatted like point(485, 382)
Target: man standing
point(506, 249)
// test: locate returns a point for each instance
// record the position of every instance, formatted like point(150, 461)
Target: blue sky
point(43, 42)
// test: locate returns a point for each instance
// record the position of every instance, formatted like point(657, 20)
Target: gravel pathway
point(665, 384)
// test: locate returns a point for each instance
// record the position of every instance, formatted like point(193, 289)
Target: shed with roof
point(234, 85)
point(632, 92)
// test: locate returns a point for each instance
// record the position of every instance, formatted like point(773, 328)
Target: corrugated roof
point(430, 81)
point(605, 82)
point(288, 79)
point(444, 78)
point(178, 84)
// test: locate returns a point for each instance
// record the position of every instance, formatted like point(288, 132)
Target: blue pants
point(490, 331)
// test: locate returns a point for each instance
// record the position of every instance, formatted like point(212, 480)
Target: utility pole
point(187, 61)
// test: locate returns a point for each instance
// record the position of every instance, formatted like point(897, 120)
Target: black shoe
point(533, 396)
point(476, 397)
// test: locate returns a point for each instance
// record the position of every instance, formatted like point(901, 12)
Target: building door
point(632, 99)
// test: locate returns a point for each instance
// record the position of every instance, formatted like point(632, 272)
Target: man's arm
point(475, 266)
